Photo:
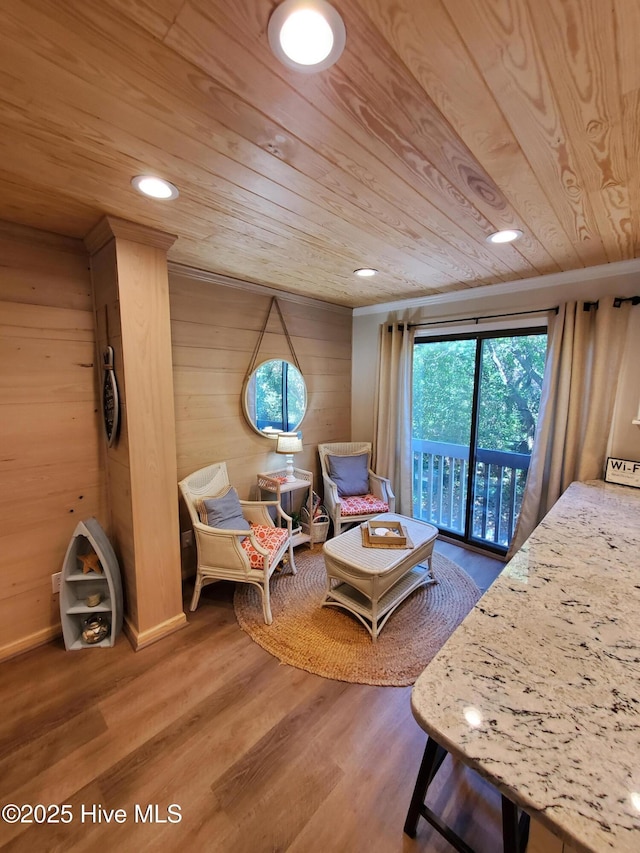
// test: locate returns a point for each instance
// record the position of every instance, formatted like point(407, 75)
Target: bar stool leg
point(427, 771)
point(515, 832)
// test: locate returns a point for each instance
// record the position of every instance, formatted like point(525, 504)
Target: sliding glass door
point(475, 407)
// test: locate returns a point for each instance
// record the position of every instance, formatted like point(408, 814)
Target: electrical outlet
point(187, 538)
point(56, 578)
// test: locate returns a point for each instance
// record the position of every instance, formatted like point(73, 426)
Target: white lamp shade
point(288, 442)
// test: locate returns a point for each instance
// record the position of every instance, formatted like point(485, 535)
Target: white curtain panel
point(392, 433)
point(576, 407)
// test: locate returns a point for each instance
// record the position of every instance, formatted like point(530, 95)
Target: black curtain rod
point(477, 319)
point(587, 306)
point(617, 302)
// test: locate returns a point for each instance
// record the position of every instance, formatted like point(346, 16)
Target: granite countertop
point(539, 688)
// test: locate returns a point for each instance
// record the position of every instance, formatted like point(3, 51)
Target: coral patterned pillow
point(271, 538)
point(362, 505)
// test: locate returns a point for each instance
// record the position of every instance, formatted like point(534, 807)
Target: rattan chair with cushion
point(352, 491)
point(235, 540)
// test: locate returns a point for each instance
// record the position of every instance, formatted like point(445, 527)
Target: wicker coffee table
point(372, 582)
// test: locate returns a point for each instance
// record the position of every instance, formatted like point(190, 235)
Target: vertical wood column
point(131, 300)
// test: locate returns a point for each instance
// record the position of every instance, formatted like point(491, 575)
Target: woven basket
point(319, 529)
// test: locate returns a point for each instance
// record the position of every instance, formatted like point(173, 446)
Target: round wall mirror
point(275, 398)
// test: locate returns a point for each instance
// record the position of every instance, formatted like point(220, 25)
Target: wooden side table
point(274, 483)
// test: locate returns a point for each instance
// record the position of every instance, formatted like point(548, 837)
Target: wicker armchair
point(345, 509)
point(247, 556)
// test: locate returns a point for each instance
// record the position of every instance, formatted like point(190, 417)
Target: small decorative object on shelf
point(90, 563)
point(90, 589)
point(94, 629)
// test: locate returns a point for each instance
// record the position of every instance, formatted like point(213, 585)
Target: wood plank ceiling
point(443, 121)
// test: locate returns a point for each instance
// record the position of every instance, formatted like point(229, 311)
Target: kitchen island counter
point(539, 688)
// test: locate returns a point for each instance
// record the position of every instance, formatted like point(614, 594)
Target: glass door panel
point(442, 407)
point(475, 408)
point(510, 381)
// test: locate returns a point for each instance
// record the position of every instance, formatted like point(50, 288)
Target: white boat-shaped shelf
point(77, 586)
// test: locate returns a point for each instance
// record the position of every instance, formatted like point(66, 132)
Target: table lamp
point(289, 443)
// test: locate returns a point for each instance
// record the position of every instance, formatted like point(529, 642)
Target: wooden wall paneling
point(23, 516)
point(189, 299)
point(197, 381)
point(121, 514)
point(129, 268)
point(207, 359)
point(144, 315)
point(254, 454)
point(51, 469)
point(335, 383)
point(234, 360)
point(190, 410)
point(56, 275)
point(195, 336)
point(45, 434)
point(109, 333)
point(51, 383)
point(25, 320)
point(25, 554)
point(190, 382)
point(22, 485)
point(209, 377)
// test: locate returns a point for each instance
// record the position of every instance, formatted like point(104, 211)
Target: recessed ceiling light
point(365, 272)
point(507, 236)
point(155, 187)
point(307, 35)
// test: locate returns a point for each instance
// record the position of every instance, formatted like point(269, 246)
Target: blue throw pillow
point(350, 474)
point(223, 511)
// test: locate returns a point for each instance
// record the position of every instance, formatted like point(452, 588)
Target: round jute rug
point(329, 641)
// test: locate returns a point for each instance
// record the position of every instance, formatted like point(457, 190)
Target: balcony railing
point(440, 476)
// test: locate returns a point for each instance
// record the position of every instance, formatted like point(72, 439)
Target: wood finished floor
point(260, 757)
